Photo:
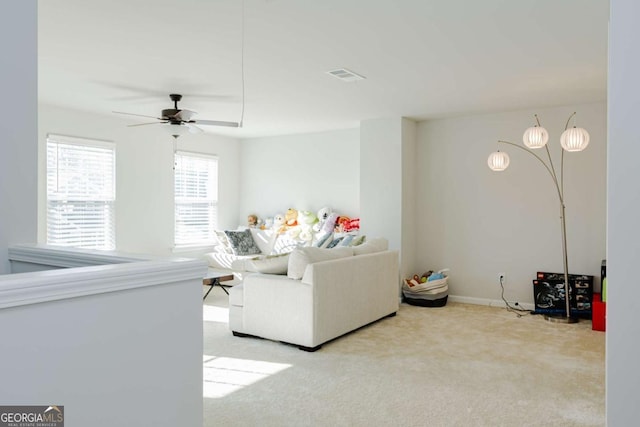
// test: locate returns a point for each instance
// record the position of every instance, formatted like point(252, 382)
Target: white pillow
point(272, 264)
point(371, 246)
point(301, 257)
point(264, 239)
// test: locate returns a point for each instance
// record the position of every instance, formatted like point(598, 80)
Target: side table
point(214, 278)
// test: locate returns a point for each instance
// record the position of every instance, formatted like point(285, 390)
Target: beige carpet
point(460, 365)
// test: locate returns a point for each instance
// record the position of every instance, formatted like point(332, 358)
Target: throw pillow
point(271, 264)
point(334, 242)
point(223, 243)
point(371, 246)
point(301, 257)
point(242, 243)
point(347, 240)
point(323, 241)
point(358, 240)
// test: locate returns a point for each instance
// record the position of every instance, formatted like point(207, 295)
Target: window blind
point(196, 199)
point(80, 192)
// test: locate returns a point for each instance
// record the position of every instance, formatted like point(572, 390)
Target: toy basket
point(433, 293)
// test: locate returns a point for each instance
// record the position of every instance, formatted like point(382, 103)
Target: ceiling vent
point(345, 75)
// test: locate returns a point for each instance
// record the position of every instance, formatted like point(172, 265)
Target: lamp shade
point(176, 128)
point(574, 139)
point(498, 161)
point(535, 137)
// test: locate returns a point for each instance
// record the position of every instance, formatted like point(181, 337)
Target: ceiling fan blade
point(144, 124)
point(139, 115)
point(216, 123)
point(193, 128)
point(185, 115)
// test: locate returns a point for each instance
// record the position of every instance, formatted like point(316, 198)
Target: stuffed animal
point(291, 217)
point(279, 224)
point(252, 221)
point(323, 215)
point(350, 225)
point(307, 218)
point(306, 235)
point(329, 224)
point(268, 223)
point(340, 223)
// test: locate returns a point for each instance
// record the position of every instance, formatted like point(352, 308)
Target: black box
point(549, 298)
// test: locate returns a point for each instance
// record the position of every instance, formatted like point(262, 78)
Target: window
point(81, 192)
point(196, 199)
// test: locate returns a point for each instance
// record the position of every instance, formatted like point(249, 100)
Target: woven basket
point(430, 286)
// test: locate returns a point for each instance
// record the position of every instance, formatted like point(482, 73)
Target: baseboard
point(489, 302)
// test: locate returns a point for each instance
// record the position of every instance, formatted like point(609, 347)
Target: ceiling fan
point(177, 117)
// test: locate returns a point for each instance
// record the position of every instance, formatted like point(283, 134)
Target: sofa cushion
point(242, 242)
point(301, 257)
point(271, 264)
point(370, 246)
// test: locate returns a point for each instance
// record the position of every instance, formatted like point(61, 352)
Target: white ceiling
point(421, 58)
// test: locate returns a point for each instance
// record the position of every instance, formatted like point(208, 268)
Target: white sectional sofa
point(325, 294)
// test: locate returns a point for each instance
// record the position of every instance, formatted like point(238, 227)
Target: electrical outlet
point(502, 278)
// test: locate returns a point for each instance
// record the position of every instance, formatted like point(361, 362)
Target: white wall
point(381, 179)
point(387, 185)
point(144, 175)
point(305, 172)
point(623, 245)
point(480, 223)
point(18, 126)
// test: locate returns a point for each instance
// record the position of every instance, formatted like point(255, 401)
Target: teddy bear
point(291, 217)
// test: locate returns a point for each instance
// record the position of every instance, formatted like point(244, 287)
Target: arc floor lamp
point(536, 137)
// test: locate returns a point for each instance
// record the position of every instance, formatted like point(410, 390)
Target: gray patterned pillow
point(242, 243)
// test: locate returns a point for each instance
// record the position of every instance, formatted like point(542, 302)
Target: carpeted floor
point(460, 365)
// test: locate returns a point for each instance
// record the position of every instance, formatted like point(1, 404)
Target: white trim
point(60, 256)
point(52, 285)
point(77, 140)
point(489, 302)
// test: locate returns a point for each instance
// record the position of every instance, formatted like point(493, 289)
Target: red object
point(599, 314)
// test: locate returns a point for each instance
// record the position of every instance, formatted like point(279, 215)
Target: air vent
point(345, 75)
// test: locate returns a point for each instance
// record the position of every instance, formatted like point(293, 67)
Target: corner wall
point(623, 245)
point(479, 223)
point(18, 143)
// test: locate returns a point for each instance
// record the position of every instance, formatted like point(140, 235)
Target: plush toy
point(306, 235)
point(351, 225)
point(307, 218)
point(323, 215)
point(329, 224)
point(291, 217)
point(279, 223)
point(252, 221)
point(340, 223)
point(268, 223)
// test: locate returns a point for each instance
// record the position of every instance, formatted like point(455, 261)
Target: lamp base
point(560, 318)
